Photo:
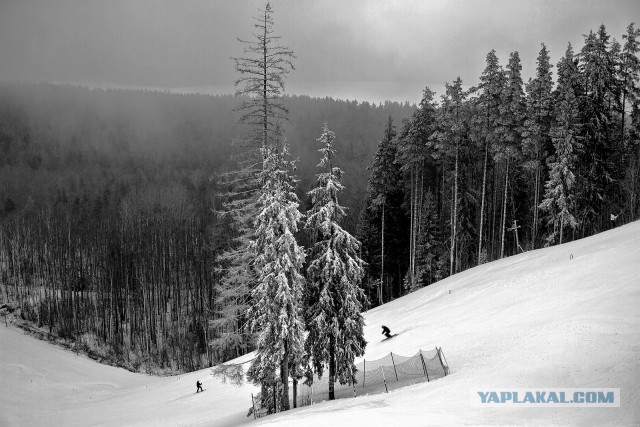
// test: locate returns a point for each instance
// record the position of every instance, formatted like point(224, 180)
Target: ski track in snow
point(538, 319)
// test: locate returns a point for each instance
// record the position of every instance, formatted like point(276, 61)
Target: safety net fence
point(371, 377)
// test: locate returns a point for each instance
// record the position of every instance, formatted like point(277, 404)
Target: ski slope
point(561, 317)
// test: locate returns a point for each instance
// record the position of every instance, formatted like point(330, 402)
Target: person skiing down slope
point(199, 385)
point(386, 331)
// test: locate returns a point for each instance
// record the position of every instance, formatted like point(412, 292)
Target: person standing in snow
point(386, 331)
point(199, 385)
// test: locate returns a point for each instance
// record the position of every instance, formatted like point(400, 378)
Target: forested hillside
point(108, 230)
point(506, 166)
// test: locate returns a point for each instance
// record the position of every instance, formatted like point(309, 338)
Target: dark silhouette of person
point(199, 385)
point(386, 331)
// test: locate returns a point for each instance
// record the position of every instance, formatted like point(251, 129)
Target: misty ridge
point(79, 142)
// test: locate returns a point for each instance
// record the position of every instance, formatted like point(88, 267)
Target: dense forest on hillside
point(108, 199)
point(111, 233)
point(506, 166)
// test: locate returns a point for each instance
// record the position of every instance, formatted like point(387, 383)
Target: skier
point(199, 385)
point(386, 331)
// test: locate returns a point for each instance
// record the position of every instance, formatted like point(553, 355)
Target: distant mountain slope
point(77, 141)
point(565, 316)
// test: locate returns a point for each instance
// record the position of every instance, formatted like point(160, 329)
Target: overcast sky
point(356, 49)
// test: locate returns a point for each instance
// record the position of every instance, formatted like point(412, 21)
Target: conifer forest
point(169, 232)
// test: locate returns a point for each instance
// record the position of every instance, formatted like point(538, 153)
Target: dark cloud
point(348, 48)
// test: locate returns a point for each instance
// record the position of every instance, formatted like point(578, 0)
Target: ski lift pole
point(514, 228)
point(615, 217)
point(364, 372)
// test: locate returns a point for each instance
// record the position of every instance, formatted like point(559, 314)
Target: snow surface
point(560, 317)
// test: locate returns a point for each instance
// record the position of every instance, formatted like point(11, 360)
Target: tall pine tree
point(559, 201)
point(599, 161)
point(491, 85)
point(335, 272)
point(536, 144)
point(629, 79)
point(629, 74)
point(507, 146)
point(262, 70)
point(414, 149)
point(451, 147)
point(276, 310)
point(385, 200)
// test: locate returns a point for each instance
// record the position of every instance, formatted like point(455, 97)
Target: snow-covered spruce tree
point(632, 180)
point(559, 199)
point(629, 73)
point(536, 143)
point(629, 79)
point(600, 163)
point(276, 309)
point(335, 273)
point(262, 70)
point(491, 84)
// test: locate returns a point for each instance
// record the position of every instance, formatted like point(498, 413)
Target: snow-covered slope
point(43, 385)
point(566, 316)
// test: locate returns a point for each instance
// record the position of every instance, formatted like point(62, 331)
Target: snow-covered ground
point(563, 317)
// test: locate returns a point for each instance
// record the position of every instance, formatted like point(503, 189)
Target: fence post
point(364, 372)
point(445, 361)
point(394, 366)
point(424, 366)
point(384, 380)
point(253, 403)
point(441, 364)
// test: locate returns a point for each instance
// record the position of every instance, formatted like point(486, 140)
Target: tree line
point(505, 166)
